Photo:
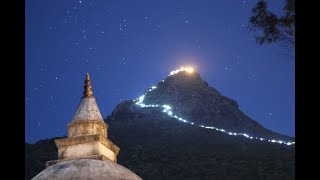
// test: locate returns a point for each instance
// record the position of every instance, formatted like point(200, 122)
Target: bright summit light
point(188, 69)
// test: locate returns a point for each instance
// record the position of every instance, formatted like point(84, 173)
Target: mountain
point(184, 129)
point(179, 129)
point(191, 98)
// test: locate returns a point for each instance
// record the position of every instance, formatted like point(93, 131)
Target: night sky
point(130, 45)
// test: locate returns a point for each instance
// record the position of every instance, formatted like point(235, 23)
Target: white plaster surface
point(87, 149)
point(86, 169)
point(88, 110)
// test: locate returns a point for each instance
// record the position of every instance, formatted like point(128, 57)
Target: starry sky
point(130, 45)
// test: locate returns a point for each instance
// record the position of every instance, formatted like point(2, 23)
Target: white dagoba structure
point(87, 132)
point(86, 153)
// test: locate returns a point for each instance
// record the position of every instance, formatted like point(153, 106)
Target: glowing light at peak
point(187, 69)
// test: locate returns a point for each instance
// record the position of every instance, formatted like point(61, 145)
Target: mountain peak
point(182, 88)
point(185, 96)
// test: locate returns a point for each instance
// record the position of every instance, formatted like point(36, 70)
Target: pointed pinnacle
point(87, 88)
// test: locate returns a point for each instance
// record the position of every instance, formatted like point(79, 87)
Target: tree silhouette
point(270, 28)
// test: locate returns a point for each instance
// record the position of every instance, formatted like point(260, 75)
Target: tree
point(273, 28)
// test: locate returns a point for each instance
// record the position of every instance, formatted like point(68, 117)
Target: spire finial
point(87, 88)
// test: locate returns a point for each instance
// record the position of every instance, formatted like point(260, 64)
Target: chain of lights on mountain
point(168, 110)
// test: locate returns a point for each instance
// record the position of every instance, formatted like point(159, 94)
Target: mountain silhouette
point(191, 98)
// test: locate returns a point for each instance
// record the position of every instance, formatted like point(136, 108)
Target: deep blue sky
point(130, 45)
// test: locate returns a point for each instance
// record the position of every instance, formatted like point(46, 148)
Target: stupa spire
point(87, 88)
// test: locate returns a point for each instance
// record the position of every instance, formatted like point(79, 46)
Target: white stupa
point(87, 153)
